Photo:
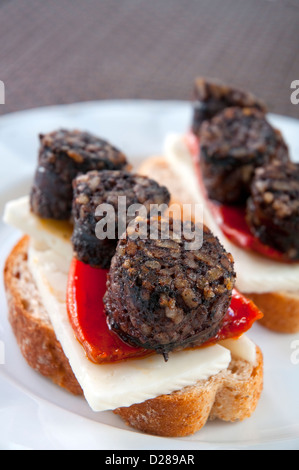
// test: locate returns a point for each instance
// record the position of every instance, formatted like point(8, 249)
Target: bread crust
point(231, 395)
point(34, 333)
point(280, 309)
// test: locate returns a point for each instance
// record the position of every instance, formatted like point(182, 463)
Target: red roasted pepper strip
point(86, 289)
point(239, 318)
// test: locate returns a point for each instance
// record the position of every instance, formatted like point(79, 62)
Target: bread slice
point(230, 395)
point(30, 322)
point(280, 309)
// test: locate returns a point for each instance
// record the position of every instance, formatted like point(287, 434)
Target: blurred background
point(65, 51)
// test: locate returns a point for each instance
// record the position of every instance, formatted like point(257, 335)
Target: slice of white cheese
point(109, 386)
point(255, 273)
point(241, 348)
point(56, 234)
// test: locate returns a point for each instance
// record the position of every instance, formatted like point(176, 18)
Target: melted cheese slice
point(255, 273)
point(122, 384)
point(110, 386)
point(55, 234)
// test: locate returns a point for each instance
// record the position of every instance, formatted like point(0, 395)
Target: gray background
point(63, 51)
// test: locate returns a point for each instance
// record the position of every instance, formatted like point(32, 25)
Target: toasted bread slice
point(30, 322)
point(280, 309)
point(230, 395)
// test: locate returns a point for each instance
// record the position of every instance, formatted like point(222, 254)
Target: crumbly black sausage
point(162, 296)
point(273, 208)
point(212, 97)
point(63, 155)
point(232, 145)
point(106, 187)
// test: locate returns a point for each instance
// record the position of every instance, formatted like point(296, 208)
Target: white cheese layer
point(110, 386)
point(255, 273)
point(122, 384)
point(56, 234)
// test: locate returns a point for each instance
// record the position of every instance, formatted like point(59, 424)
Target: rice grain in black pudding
point(163, 297)
point(106, 187)
point(213, 96)
point(232, 145)
point(273, 208)
point(63, 155)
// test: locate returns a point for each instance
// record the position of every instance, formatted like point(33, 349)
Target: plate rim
point(9, 117)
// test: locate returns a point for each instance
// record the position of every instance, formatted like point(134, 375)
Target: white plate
point(34, 413)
